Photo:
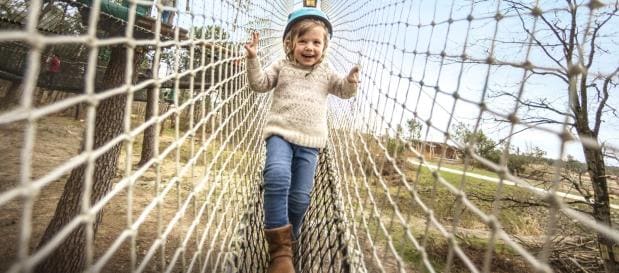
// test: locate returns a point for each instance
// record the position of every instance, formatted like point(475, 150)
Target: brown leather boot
point(280, 249)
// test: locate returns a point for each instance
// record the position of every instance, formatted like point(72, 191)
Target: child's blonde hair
point(300, 28)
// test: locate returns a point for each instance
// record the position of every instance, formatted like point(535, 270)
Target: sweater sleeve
point(262, 80)
point(340, 87)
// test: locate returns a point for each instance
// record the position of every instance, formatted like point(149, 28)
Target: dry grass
point(523, 221)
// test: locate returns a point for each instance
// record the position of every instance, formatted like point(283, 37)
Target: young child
point(53, 68)
point(167, 16)
point(296, 126)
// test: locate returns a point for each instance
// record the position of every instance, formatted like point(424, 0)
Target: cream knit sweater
point(298, 110)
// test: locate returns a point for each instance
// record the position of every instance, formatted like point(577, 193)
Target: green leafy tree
point(482, 144)
point(215, 47)
point(414, 129)
point(517, 162)
point(394, 145)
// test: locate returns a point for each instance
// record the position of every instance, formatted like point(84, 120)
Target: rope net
point(463, 150)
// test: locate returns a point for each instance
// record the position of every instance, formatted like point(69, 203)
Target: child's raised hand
point(353, 75)
point(252, 46)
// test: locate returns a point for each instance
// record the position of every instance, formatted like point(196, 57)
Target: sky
point(390, 39)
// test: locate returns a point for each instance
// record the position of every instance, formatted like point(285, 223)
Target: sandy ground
point(57, 140)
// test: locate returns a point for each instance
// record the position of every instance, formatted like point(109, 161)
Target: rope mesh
point(419, 174)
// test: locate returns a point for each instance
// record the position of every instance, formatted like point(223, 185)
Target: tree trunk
point(77, 111)
point(601, 208)
point(70, 256)
point(148, 142)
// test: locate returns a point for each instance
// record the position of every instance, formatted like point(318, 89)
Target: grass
point(520, 212)
point(528, 221)
point(505, 259)
point(444, 202)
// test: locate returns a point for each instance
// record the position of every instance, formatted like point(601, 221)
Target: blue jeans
point(165, 16)
point(288, 180)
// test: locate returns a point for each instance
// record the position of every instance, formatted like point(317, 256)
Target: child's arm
point(252, 46)
point(345, 87)
point(259, 80)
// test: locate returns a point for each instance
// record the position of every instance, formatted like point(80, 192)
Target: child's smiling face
point(309, 47)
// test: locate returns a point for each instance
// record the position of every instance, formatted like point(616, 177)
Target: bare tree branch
point(577, 184)
point(595, 34)
point(573, 28)
point(599, 112)
point(560, 76)
point(543, 104)
point(541, 120)
point(538, 42)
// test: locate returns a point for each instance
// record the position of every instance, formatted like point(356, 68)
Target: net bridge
point(482, 137)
